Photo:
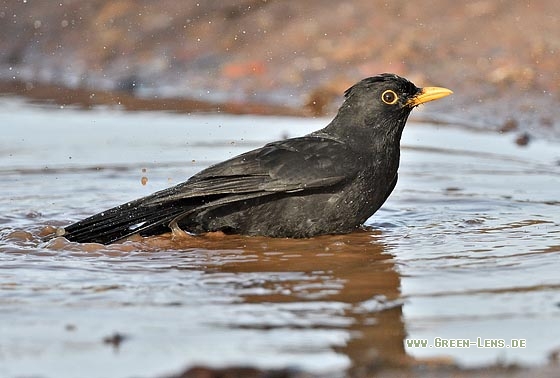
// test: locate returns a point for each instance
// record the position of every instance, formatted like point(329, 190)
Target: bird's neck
point(371, 136)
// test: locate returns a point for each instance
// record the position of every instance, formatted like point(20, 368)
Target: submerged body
point(327, 182)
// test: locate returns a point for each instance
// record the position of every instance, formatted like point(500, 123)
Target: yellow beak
point(428, 94)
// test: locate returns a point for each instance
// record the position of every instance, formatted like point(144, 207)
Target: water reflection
point(354, 270)
point(348, 281)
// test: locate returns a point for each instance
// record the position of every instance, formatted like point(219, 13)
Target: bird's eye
point(389, 97)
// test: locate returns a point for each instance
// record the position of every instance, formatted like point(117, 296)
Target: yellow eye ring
point(389, 97)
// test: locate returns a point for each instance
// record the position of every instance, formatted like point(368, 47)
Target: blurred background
point(287, 57)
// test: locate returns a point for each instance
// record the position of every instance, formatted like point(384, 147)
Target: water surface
point(467, 246)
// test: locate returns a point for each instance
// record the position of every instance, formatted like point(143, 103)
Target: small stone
point(523, 139)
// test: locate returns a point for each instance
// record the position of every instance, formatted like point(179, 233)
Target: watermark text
point(479, 342)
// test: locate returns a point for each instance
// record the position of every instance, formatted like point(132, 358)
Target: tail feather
point(122, 221)
point(150, 215)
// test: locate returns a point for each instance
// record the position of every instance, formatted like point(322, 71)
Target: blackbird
point(327, 182)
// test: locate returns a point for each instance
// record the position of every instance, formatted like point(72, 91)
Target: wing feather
point(303, 163)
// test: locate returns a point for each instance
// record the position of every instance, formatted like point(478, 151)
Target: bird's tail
point(135, 217)
point(152, 215)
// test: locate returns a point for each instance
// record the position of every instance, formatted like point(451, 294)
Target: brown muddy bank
point(499, 57)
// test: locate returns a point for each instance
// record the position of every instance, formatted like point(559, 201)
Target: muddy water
point(467, 247)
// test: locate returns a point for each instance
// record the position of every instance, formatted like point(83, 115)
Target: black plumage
point(327, 182)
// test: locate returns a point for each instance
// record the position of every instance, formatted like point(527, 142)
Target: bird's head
point(378, 107)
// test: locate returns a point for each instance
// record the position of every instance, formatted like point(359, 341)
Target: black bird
point(327, 182)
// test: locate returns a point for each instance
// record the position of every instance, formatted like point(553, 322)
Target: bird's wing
point(292, 165)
